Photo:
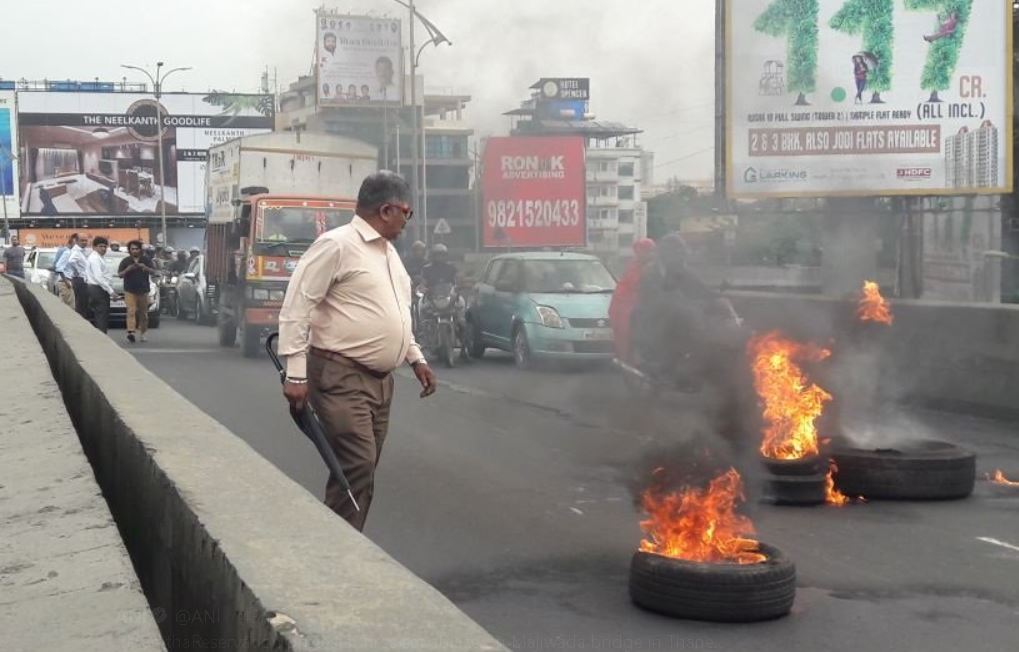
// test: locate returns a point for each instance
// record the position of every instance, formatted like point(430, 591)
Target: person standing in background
point(14, 258)
point(97, 277)
point(136, 270)
point(75, 271)
point(64, 286)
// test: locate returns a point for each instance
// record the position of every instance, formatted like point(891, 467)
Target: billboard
point(98, 153)
point(8, 155)
point(359, 60)
point(868, 97)
point(534, 192)
point(56, 238)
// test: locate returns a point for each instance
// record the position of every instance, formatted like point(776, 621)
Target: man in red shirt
point(627, 293)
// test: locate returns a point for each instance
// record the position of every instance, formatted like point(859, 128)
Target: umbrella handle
point(272, 354)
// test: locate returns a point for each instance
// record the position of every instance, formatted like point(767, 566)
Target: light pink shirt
point(351, 295)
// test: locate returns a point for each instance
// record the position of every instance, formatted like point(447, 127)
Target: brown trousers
point(66, 291)
point(137, 312)
point(353, 406)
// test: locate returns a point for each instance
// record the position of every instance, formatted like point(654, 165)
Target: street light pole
point(157, 86)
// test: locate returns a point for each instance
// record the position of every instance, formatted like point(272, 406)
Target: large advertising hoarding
point(98, 153)
point(534, 193)
point(869, 97)
point(359, 60)
point(8, 155)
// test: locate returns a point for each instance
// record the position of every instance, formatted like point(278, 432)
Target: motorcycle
point(441, 322)
point(168, 294)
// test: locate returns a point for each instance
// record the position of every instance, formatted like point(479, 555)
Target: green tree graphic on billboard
point(797, 20)
point(946, 41)
point(873, 19)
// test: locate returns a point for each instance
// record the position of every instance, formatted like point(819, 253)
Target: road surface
point(511, 493)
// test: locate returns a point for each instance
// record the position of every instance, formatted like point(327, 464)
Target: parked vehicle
point(542, 306)
point(39, 266)
point(270, 197)
point(192, 294)
point(118, 309)
point(441, 322)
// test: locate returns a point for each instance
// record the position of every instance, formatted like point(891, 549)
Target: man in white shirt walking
point(344, 327)
point(75, 271)
point(97, 277)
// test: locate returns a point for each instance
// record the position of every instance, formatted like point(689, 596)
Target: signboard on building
point(565, 89)
point(358, 60)
point(868, 97)
point(98, 153)
point(46, 238)
point(8, 156)
point(534, 193)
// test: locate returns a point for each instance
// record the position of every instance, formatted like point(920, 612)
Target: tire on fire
point(915, 470)
point(724, 592)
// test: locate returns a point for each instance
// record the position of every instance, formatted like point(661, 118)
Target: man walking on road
point(14, 258)
point(136, 271)
point(344, 327)
point(97, 277)
point(75, 271)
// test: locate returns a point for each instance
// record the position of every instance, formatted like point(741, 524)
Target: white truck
point(268, 198)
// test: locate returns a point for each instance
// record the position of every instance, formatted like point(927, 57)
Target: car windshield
point(567, 276)
point(296, 225)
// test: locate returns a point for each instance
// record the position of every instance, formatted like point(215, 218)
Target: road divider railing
point(230, 552)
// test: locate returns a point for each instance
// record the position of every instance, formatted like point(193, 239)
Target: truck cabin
point(284, 224)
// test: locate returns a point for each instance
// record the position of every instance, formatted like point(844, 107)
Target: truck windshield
point(299, 225)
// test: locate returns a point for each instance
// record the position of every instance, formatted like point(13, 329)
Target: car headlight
point(260, 294)
point(277, 295)
point(550, 317)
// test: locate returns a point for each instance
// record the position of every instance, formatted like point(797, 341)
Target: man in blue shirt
point(63, 285)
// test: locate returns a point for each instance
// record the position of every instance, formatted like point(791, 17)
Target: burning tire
point(812, 465)
point(917, 470)
point(805, 490)
point(726, 592)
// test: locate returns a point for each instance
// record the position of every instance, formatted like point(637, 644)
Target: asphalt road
point(510, 492)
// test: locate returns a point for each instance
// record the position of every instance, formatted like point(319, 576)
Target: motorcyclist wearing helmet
point(416, 261)
point(438, 270)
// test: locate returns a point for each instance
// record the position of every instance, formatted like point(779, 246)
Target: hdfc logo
point(914, 174)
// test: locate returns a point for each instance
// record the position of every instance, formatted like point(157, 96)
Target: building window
point(445, 146)
point(626, 192)
point(626, 169)
point(626, 216)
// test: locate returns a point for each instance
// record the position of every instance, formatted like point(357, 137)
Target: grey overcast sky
point(650, 61)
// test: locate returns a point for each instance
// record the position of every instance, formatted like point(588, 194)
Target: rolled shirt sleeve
point(308, 287)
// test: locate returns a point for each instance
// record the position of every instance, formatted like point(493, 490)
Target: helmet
point(169, 250)
point(440, 252)
point(194, 250)
point(419, 247)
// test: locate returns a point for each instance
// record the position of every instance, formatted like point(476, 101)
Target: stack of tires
point(795, 482)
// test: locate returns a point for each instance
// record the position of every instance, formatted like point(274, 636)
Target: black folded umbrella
point(307, 420)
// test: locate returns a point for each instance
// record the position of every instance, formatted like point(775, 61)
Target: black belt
point(347, 362)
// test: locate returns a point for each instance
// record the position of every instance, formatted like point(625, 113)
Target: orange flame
point(701, 525)
point(791, 403)
point(873, 306)
point(999, 478)
point(833, 496)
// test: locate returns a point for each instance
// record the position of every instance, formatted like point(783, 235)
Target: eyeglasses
point(408, 212)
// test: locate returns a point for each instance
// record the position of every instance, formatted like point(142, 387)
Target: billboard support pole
point(157, 87)
point(414, 117)
point(720, 101)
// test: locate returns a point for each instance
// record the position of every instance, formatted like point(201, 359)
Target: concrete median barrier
point(66, 581)
point(231, 553)
point(952, 356)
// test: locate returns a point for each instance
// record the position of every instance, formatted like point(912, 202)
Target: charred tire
point(802, 490)
point(812, 465)
point(916, 470)
point(728, 593)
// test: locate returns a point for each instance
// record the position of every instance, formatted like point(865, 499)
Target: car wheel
point(521, 348)
point(178, 309)
point(199, 313)
point(914, 470)
point(227, 331)
point(473, 343)
point(734, 593)
point(153, 320)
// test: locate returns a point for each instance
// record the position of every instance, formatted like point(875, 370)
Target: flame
point(999, 478)
point(833, 496)
point(701, 525)
point(791, 403)
point(873, 306)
